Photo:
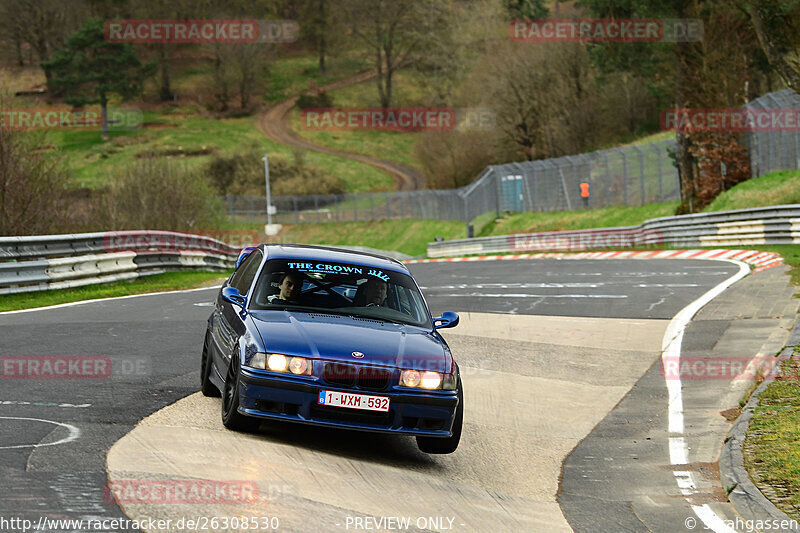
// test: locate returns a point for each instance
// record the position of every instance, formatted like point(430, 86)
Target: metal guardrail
point(45, 262)
point(756, 226)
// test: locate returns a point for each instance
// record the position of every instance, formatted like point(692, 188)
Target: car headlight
point(277, 362)
point(409, 378)
point(449, 381)
point(427, 380)
point(258, 360)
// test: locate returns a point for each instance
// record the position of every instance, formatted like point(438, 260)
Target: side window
point(402, 296)
point(244, 275)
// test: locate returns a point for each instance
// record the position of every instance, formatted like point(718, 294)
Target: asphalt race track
point(548, 348)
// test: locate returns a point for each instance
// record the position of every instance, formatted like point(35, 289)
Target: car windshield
point(350, 289)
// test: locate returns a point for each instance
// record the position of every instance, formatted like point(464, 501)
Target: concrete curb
point(746, 497)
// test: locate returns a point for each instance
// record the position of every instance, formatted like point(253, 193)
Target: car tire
point(438, 445)
point(231, 417)
point(206, 386)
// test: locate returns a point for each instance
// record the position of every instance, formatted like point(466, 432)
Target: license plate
point(353, 401)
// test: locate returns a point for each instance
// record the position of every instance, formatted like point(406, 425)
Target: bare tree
point(42, 25)
point(322, 25)
point(32, 183)
point(12, 30)
point(544, 97)
point(397, 34)
point(777, 25)
point(238, 67)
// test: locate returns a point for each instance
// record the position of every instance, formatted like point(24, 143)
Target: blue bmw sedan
point(333, 338)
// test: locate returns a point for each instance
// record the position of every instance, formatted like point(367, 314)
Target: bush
point(243, 174)
point(310, 101)
point(720, 163)
point(33, 182)
point(453, 159)
point(157, 194)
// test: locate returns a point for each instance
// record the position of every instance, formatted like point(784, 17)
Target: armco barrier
point(742, 227)
point(44, 262)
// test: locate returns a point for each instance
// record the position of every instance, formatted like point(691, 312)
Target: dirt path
point(274, 123)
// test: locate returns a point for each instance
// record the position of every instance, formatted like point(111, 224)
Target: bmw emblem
point(358, 355)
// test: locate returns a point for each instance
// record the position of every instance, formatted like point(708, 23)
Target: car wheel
point(206, 387)
point(440, 445)
point(231, 418)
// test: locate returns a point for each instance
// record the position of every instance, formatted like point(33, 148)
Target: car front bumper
point(410, 413)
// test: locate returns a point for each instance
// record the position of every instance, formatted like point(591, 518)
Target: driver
point(290, 286)
point(375, 292)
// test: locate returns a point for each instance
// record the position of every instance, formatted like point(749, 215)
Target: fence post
point(537, 204)
point(372, 206)
point(564, 187)
point(607, 195)
point(796, 149)
point(660, 171)
point(641, 174)
point(498, 187)
point(296, 211)
point(624, 174)
point(526, 195)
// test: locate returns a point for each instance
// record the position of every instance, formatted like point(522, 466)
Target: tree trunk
point(322, 50)
point(379, 80)
point(244, 93)
point(777, 58)
point(166, 84)
point(682, 156)
point(387, 51)
point(104, 113)
point(18, 49)
point(388, 102)
point(322, 28)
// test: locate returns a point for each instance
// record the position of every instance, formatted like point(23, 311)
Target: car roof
point(337, 255)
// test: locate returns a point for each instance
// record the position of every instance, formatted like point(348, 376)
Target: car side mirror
point(233, 296)
point(447, 320)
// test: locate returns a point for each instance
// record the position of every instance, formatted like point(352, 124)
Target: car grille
point(352, 376)
point(338, 414)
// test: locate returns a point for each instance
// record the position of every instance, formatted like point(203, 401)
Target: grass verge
point(772, 447)
point(606, 217)
point(406, 236)
point(168, 281)
point(775, 188)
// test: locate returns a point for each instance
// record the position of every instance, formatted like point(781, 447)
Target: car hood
point(336, 337)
